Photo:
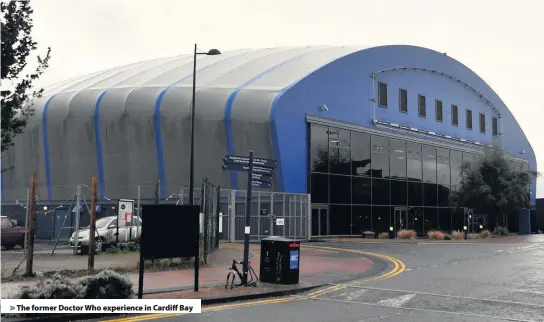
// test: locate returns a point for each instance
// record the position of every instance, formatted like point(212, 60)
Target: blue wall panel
point(345, 86)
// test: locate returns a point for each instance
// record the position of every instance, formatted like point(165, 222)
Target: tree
point(18, 90)
point(493, 187)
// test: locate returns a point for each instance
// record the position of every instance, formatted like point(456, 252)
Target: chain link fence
point(223, 211)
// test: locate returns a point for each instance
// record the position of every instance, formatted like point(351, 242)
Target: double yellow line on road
point(148, 317)
point(398, 267)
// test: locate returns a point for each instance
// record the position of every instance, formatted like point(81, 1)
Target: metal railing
point(272, 213)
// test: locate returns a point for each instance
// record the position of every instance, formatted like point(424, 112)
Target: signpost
point(259, 174)
point(241, 167)
point(169, 225)
point(125, 209)
point(259, 183)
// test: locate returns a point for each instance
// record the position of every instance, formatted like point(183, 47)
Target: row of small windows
point(422, 109)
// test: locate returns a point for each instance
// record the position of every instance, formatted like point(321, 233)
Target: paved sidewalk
point(317, 267)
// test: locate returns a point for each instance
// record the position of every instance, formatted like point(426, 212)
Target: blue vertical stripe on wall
point(98, 141)
point(3, 191)
point(157, 124)
point(46, 148)
point(274, 131)
point(228, 112)
point(274, 139)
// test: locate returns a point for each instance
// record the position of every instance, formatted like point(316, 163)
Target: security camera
point(324, 108)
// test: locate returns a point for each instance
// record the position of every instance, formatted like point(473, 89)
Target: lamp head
point(213, 52)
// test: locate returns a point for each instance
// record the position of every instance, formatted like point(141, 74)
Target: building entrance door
point(320, 221)
point(400, 219)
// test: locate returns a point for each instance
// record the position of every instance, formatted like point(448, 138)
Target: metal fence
point(291, 209)
point(209, 207)
point(272, 213)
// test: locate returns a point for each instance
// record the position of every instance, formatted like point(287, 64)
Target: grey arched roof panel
point(122, 105)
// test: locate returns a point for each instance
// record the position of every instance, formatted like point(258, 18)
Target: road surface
point(441, 282)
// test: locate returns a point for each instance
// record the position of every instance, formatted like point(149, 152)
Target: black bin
point(280, 259)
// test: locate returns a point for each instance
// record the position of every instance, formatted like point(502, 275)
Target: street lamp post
point(192, 174)
point(211, 52)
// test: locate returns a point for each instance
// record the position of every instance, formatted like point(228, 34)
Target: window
point(495, 126)
point(399, 192)
point(381, 191)
point(360, 154)
point(341, 225)
point(340, 189)
point(360, 191)
point(103, 222)
point(380, 157)
point(456, 161)
point(454, 115)
point(6, 222)
point(382, 94)
point(397, 158)
point(443, 176)
point(339, 151)
point(403, 101)
point(414, 168)
point(319, 188)
point(482, 122)
point(319, 149)
point(469, 120)
point(439, 116)
point(429, 164)
point(422, 104)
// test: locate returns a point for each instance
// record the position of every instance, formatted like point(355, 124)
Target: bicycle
point(253, 278)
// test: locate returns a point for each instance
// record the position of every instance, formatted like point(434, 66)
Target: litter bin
point(280, 259)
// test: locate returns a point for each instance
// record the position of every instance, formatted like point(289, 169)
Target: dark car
point(12, 234)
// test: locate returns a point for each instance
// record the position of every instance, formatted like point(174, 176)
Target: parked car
point(12, 234)
point(105, 234)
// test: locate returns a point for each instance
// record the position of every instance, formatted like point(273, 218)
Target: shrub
point(407, 234)
point(383, 235)
point(501, 231)
point(447, 237)
point(107, 284)
point(436, 235)
point(56, 287)
point(458, 235)
point(485, 234)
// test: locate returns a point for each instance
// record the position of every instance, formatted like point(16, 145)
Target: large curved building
point(369, 132)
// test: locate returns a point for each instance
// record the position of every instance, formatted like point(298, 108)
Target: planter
point(368, 234)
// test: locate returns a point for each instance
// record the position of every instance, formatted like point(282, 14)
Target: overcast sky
point(502, 41)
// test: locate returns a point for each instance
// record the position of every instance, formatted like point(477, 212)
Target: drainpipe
point(374, 94)
point(501, 131)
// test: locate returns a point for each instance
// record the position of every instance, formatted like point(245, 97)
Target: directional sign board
point(261, 177)
point(257, 183)
point(241, 167)
point(257, 162)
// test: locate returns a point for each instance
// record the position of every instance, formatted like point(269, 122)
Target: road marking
point(327, 290)
point(398, 265)
point(446, 296)
point(350, 296)
point(396, 301)
point(427, 310)
point(204, 310)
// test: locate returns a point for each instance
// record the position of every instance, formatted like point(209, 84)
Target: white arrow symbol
point(396, 301)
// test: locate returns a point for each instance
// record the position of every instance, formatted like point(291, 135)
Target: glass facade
point(366, 181)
